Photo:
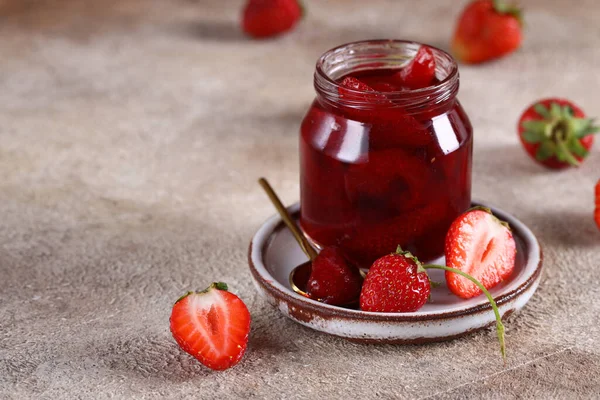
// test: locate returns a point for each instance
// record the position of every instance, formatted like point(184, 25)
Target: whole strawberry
point(556, 133)
point(486, 30)
point(395, 283)
point(266, 18)
point(597, 210)
point(333, 280)
point(212, 325)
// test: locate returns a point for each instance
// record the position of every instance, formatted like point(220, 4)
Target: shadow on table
point(507, 160)
point(566, 228)
point(286, 121)
point(148, 357)
point(218, 31)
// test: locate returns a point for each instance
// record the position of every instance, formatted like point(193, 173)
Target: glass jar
point(381, 171)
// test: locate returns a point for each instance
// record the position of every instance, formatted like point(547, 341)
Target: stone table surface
point(132, 133)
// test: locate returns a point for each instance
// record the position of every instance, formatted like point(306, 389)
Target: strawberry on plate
point(597, 210)
point(333, 280)
point(556, 133)
point(266, 18)
point(212, 325)
point(486, 30)
point(481, 245)
point(396, 282)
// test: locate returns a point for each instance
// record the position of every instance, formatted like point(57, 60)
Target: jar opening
point(384, 54)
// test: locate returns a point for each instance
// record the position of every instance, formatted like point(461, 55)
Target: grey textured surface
point(131, 136)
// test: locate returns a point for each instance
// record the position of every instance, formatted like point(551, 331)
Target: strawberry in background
point(486, 30)
point(267, 18)
point(597, 211)
point(556, 133)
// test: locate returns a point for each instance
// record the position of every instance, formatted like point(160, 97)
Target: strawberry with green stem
point(267, 18)
point(597, 210)
point(398, 282)
point(487, 30)
point(556, 133)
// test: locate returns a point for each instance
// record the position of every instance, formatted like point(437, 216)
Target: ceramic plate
point(274, 253)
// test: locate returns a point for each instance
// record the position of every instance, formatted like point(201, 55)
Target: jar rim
point(325, 84)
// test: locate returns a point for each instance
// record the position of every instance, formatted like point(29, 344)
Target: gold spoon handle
point(285, 216)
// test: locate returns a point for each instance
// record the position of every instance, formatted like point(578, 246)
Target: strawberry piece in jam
point(420, 71)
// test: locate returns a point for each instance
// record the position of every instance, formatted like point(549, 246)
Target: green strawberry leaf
point(537, 127)
point(563, 154)
point(302, 8)
point(576, 147)
point(532, 137)
point(579, 124)
point(509, 9)
point(582, 129)
point(591, 129)
point(567, 112)
point(542, 110)
point(555, 111)
point(545, 151)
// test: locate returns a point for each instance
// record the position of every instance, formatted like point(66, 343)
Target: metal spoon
point(299, 275)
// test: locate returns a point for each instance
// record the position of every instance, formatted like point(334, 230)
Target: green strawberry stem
point(286, 217)
point(504, 8)
point(302, 8)
point(214, 285)
point(499, 325)
point(566, 153)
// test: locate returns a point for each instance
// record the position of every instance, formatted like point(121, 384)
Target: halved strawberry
point(481, 245)
point(597, 211)
point(420, 72)
point(212, 325)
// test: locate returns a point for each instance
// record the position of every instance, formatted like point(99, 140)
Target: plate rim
point(274, 224)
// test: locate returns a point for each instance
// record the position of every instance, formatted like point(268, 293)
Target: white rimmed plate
point(273, 253)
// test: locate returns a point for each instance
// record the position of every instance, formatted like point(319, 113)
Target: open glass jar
point(387, 170)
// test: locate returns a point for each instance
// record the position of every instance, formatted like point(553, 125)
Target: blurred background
point(132, 98)
point(121, 87)
point(132, 133)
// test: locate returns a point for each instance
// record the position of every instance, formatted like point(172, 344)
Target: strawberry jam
point(385, 151)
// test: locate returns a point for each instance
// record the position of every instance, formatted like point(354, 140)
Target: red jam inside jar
point(387, 167)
